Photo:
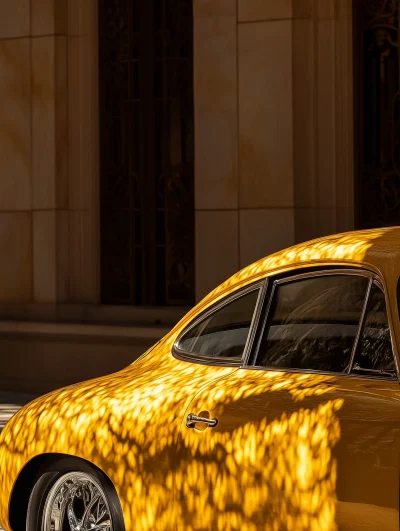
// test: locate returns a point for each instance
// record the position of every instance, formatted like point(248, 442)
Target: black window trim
point(252, 354)
point(261, 286)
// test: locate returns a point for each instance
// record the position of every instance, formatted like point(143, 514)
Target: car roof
point(378, 249)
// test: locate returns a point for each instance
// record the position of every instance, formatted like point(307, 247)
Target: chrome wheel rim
point(76, 502)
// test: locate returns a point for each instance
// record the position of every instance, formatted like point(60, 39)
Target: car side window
point(374, 352)
point(224, 332)
point(313, 323)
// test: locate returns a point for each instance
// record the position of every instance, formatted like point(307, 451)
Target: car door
point(305, 436)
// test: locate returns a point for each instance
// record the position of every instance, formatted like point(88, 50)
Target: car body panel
point(128, 423)
point(292, 451)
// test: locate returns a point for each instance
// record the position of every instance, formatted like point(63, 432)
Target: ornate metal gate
point(377, 104)
point(147, 159)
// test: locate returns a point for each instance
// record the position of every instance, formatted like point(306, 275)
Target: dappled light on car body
point(351, 247)
point(269, 473)
point(116, 423)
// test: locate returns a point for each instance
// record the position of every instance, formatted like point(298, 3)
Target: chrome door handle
point(191, 420)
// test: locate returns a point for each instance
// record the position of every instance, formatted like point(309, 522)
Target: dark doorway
point(147, 152)
point(377, 111)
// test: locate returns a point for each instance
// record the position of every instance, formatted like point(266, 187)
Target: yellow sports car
point(274, 404)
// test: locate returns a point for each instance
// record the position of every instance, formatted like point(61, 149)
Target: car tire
point(64, 477)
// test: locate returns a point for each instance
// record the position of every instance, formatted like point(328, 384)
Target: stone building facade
point(277, 159)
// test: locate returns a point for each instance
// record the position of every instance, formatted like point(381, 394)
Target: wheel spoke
point(104, 526)
point(72, 519)
point(79, 501)
point(88, 511)
point(100, 514)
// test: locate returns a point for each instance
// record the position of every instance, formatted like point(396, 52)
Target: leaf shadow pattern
point(131, 432)
point(129, 425)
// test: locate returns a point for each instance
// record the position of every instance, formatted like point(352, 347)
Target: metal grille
point(147, 151)
point(377, 104)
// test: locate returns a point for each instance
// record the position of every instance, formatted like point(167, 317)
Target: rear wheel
point(70, 495)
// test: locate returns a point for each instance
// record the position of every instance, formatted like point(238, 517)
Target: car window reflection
point(375, 349)
point(223, 333)
point(313, 323)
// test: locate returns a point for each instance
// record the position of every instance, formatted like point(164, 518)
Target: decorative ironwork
point(147, 151)
point(377, 99)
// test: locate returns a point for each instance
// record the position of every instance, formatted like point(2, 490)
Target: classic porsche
point(274, 404)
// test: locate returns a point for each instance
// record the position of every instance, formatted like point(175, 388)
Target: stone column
point(323, 119)
point(266, 199)
point(83, 140)
point(50, 201)
point(216, 142)
point(16, 267)
point(244, 134)
point(274, 128)
point(49, 152)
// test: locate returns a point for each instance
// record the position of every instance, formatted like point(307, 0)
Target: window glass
point(313, 323)
point(374, 352)
point(224, 332)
